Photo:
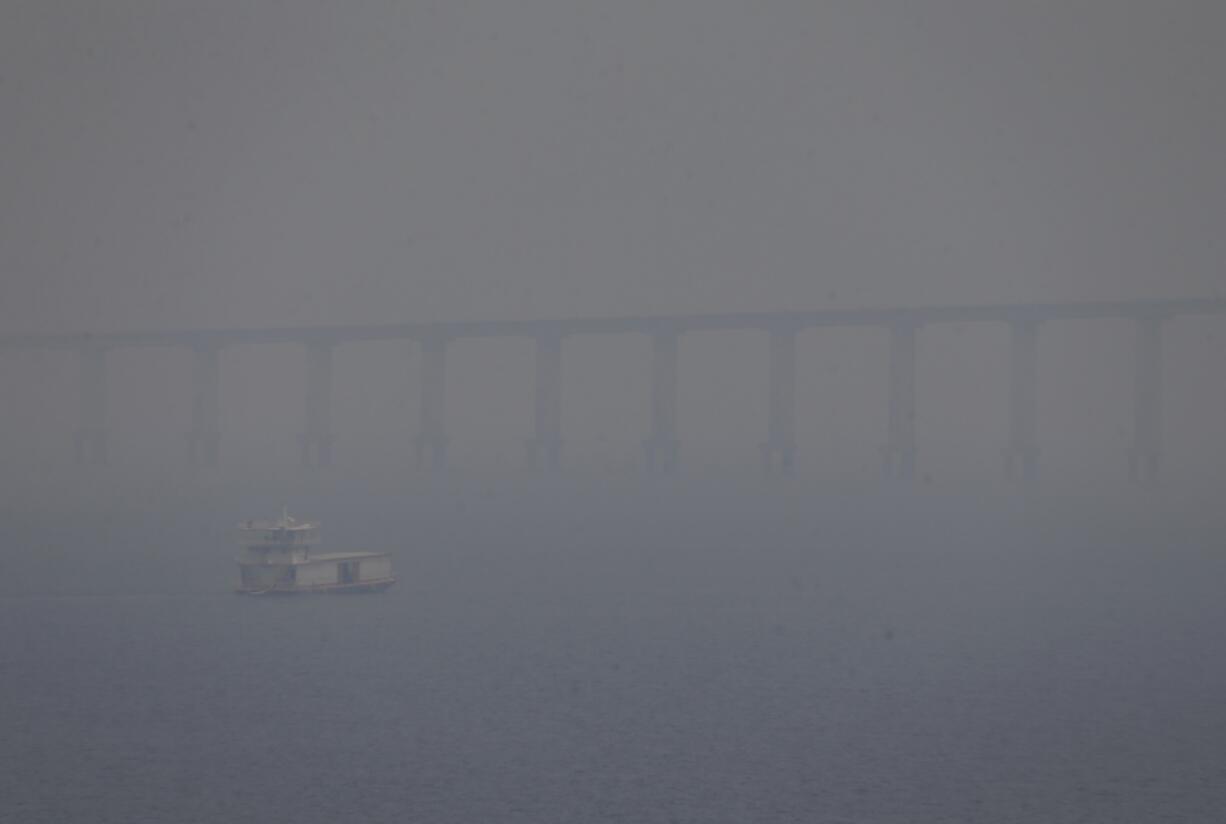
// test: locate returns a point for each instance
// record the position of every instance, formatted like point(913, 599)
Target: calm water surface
point(673, 666)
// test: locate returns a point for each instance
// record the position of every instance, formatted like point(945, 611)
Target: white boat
point(279, 557)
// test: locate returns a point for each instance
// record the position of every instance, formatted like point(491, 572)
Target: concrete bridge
point(544, 447)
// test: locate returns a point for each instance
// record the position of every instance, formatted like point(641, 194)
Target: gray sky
point(178, 164)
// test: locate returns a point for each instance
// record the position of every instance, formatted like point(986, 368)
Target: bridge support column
point(432, 435)
point(779, 450)
point(316, 441)
point(203, 439)
point(545, 446)
point(662, 446)
point(900, 447)
point(1022, 453)
point(1145, 458)
point(91, 436)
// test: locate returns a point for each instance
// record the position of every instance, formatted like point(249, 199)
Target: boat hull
point(355, 588)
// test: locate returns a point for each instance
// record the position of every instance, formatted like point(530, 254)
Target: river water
point(653, 657)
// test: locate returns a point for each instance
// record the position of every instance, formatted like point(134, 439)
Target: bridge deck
point(353, 333)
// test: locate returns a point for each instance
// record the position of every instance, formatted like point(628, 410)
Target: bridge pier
point(779, 450)
point(431, 447)
point(1145, 458)
point(661, 447)
point(204, 436)
point(91, 436)
point(316, 442)
point(1022, 453)
point(545, 445)
point(899, 461)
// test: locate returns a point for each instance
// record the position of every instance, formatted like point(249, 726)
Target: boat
point(279, 558)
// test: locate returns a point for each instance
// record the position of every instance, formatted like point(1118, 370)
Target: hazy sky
point(171, 164)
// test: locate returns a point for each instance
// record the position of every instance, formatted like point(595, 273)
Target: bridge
point(661, 444)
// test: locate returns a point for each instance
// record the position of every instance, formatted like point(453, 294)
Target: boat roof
point(263, 526)
point(286, 521)
point(342, 556)
point(315, 558)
